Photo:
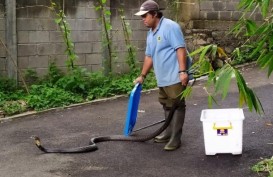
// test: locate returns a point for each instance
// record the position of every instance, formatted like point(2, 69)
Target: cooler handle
point(228, 127)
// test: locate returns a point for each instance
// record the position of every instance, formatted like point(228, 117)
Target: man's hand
point(184, 78)
point(139, 79)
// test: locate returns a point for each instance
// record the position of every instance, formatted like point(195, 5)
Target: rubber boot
point(177, 124)
point(165, 137)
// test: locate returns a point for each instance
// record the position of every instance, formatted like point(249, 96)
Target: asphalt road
point(75, 126)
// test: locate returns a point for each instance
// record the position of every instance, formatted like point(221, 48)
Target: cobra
point(93, 146)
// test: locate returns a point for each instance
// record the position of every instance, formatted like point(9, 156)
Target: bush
point(44, 97)
point(7, 85)
point(57, 89)
point(53, 75)
point(14, 107)
point(76, 81)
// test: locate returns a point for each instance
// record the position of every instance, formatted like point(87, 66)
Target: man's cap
point(147, 6)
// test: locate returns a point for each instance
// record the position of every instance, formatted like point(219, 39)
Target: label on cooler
point(222, 132)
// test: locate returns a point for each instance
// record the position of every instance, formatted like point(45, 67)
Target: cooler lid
point(132, 110)
point(231, 114)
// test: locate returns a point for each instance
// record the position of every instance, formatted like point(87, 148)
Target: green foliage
point(259, 35)
point(31, 76)
point(7, 85)
point(13, 107)
point(53, 75)
point(2, 96)
point(113, 85)
point(75, 81)
point(44, 97)
point(242, 55)
point(264, 166)
point(12, 102)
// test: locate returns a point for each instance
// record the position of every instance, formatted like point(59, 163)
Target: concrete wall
point(2, 38)
point(40, 40)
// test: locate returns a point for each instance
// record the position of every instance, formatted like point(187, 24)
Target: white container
point(223, 130)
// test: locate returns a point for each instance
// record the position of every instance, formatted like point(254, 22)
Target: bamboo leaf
point(265, 60)
point(223, 82)
point(213, 51)
point(247, 95)
point(204, 52)
point(196, 51)
point(262, 29)
point(260, 60)
point(210, 101)
point(270, 41)
point(241, 98)
point(241, 87)
point(186, 93)
point(265, 6)
point(255, 100)
point(270, 66)
point(251, 27)
point(258, 48)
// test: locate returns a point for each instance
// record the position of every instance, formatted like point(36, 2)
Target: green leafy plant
point(75, 81)
point(7, 85)
point(31, 76)
point(43, 97)
point(53, 75)
point(3, 96)
point(66, 31)
point(14, 107)
point(107, 27)
point(264, 166)
point(259, 35)
point(113, 85)
point(131, 58)
point(241, 55)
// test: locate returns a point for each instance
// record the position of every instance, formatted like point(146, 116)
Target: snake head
point(36, 139)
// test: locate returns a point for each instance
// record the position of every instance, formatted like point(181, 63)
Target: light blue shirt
point(161, 47)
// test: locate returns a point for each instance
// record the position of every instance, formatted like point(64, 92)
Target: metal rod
point(149, 125)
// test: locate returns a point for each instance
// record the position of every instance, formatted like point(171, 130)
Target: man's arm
point(182, 62)
point(147, 65)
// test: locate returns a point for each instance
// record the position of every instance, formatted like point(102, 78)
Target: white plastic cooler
point(223, 130)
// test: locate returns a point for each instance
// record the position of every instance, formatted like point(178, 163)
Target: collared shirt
point(161, 47)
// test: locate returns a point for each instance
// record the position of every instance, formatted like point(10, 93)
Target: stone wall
point(210, 22)
point(224, 10)
point(2, 38)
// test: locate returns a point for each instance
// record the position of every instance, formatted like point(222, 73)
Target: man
point(166, 53)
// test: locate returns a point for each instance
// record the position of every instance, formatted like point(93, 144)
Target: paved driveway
point(74, 126)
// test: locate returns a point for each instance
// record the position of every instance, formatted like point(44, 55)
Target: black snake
point(92, 144)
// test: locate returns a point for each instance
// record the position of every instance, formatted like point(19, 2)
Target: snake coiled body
point(92, 144)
